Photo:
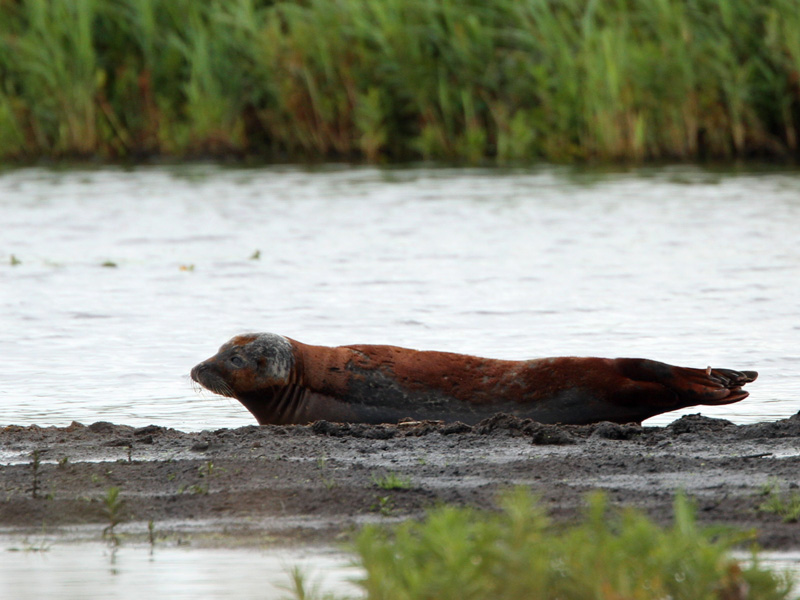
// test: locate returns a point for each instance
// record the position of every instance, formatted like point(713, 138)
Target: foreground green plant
point(464, 554)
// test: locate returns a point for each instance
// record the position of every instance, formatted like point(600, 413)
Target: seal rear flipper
point(692, 386)
point(712, 386)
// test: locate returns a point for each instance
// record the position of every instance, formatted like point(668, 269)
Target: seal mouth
point(211, 381)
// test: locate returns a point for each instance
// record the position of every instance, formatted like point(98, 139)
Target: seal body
point(282, 381)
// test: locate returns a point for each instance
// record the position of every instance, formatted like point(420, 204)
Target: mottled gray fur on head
point(277, 352)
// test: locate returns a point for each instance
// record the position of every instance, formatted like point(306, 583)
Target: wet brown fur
point(375, 383)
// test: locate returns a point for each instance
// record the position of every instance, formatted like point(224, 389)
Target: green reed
point(49, 56)
point(376, 80)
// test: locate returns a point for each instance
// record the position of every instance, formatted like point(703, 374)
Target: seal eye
point(236, 361)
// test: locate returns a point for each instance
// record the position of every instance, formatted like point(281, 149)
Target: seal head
point(247, 363)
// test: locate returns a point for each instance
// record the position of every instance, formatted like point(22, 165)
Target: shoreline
point(310, 485)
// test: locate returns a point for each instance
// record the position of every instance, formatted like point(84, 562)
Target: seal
point(282, 381)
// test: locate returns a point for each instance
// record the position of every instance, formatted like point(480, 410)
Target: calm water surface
point(676, 264)
point(89, 572)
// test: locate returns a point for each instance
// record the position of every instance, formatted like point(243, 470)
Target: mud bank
point(315, 484)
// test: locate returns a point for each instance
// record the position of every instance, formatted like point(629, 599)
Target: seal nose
point(195, 372)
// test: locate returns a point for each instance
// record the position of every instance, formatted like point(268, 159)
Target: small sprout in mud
point(300, 588)
point(95, 478)
point(383, 505)
point(786, 506)
point(112, 509)
point(151, 535)
point(322, 465)
point(109, 264)
point(170, 476)
point(392, 481)
point(255, 255)
point(35, 465)
point(771, 486)
point(14, 261)
point(421, 460)
point(63, 462)
point(205, 472)
point(298, 583)
point(29, 546)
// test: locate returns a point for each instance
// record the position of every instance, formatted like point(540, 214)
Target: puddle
point(92, 571)
point(31, 570)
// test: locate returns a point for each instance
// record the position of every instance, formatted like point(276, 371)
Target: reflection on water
point(86, 572)
point(679, 265)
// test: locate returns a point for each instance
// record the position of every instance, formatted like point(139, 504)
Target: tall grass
point(50, 76)
point(468, 80)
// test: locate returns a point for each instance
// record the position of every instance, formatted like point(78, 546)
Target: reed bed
point(387, 80)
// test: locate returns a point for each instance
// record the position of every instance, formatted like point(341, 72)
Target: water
point(90, 571)
point(676, 264)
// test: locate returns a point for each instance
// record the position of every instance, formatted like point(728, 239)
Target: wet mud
point(316, 484)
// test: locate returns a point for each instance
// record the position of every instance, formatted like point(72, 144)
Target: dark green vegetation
point(504, 80)
point(465, 554)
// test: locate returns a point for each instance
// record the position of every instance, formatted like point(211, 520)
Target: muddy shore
point(257, 486)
